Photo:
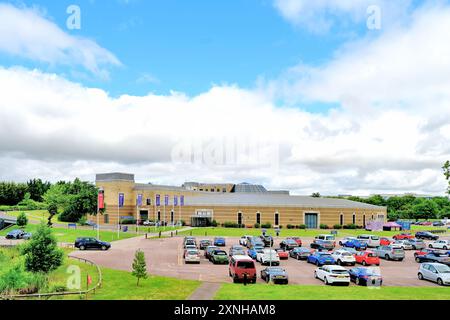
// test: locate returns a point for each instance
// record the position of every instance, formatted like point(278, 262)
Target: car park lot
point(165, 258)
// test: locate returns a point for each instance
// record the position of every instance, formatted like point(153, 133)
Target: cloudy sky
point(340, 97)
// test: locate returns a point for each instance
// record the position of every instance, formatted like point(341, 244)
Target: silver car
point(417, 244)
point(436, 272)
point(390, 253)
point(403, 244)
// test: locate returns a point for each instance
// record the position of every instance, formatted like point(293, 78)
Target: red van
point(241, 266)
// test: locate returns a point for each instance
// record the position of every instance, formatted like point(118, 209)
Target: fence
point(60, 294)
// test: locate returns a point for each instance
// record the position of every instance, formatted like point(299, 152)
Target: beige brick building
point(243, 204)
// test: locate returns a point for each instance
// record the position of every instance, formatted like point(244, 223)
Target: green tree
point(446, 169)
point(376, 200)
point(139, 266)
point(37, 189)
point(12, 193)
point(316, 195)
point(22, 220)
point(424, 209)
point(52, 211)
point(42, 254)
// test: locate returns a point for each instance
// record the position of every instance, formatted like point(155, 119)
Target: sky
point(336, 97)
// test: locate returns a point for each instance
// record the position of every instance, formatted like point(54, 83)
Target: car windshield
point(442, 268)
point(325, 255)
point(246, 265)
point(276, 270)
point(346, 253)
point(193, 253)
point(370, 272)
point(339, 271)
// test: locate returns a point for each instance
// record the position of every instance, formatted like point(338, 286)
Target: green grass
point(233, 232)
point(69, 235)
point(294, 292)
point(34, 215)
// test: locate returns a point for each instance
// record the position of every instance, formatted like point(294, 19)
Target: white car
point(268, 256)
point(192, 256)
point(371, 240)
point(440, 244)
point(436, 272)
point(244, 240)
point(403, 244)
point(343, 257)
point(331, 274)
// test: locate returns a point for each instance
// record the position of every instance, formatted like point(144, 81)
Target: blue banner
point(121, 200)
point(175, 201)
point(166, 200)
point(158, 200)
point(139, 200)
point(182, 201)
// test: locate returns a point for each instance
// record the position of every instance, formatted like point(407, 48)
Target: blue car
point(366, 277)
point(355, 243)
point(219, 242)
point(252, 252)
point(321, 258)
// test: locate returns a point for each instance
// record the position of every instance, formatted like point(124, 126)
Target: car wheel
point(364, 263)
point(82, 248)
point(318, 263)
point(104, 248)
point(420, 276)
point(440, 282)
point(417, 260)
point(267, 280)
point(339, 262)
point(400, 260)
point(357, 281)
point(326, 281)
point(430, 246)
point(315, 275)
point(387, 257)
point(445, 248)
point(235, 280)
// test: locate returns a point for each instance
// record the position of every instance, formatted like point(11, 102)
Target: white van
point(371, 240)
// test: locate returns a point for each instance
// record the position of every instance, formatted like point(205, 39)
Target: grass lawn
point(69, 235)
point(234, 232)
point(34, 215)
point(273, 292)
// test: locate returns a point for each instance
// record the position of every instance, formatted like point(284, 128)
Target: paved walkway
point(207, 291)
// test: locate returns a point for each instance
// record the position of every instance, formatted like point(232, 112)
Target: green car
point(219, 257)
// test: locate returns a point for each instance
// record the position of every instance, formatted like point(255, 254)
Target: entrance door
point(311, 220)
point(240, 218)
point(143, 215)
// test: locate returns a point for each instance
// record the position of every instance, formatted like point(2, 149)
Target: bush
point(83, 221)
point(232, 225)
point(266, 225)
point(324, 226)
point(129, 221)
point(214, 223)
point(70, 215)
point(337, 226)
point(351, 226)
point(302, 226)
point(290, 226)
point(57, 288)
point(22, 220)
point(257, 226)
point(17, 281)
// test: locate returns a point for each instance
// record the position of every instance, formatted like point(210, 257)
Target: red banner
point(89, 280)
point(101, 200)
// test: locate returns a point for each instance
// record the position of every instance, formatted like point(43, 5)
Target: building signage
point(101, 200)
point(175, 201)
point(139, 200)
point(166, 200)
point(121, 200)
point(158, 200)
point(182, 201)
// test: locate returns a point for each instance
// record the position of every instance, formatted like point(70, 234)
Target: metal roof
point(273, 200)
point(247, 188)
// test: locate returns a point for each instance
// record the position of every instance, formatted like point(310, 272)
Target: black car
point(204, 244)
point(91, 244)
point(438, 224)
point(288, 244)
point(437, 256)
point(426, 235)
point(267, 240)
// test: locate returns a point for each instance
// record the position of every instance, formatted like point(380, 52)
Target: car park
point(219, 242)
point(208, 251)
point(218, 257)
point(91, 244)
point(343, 257)
point(403, 244)
point(267, 240)
point(300, 253)
point(390, 253)
point(367, 258)
point(372, 241)
point(288, 244)
point(385, 241)
point(417, 244)
point(403, 236)
point(436, 272)
point(268, 257)
point(275, 274)
point(435, 256)
point(333, 275)
point(440, 244)
point(365, 277)
point(355, 243)
point(320, 258)
point(203, 244)
point(322, 244)
point(425, 235)
point(192, 256)
point(283, 254)
point(252, 252)
point(241, 268)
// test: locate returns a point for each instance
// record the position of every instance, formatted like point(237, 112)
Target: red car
point(367, 258)
point(283, 254)
point(298, 240)
point(385, 241)
point(403, 236)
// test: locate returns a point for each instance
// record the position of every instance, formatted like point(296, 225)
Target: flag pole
point(118, 218)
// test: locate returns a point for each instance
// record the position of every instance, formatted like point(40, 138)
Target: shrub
point(58, 288)
point(337, 226)
point(22, 220)
point(290, 226)
point(230, 225)
point(214, 224)
point(83, 221)
point(324, 226)
point(302, 226)
point(17, 281)
point(351, 226)
point(266, 225)
point(128, 221)
point(257, 226)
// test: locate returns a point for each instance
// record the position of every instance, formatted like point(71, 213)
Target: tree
point(424, 209)
point(139, 266)
point(37, 189)
point(446, 169)
point(316, 195)
point(42, 254)
point(52, 211)
point(22, 220)
point(12, 193)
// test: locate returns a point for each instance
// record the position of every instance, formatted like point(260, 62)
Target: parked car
point(353, 251)
point(425, 235)
point(208, 251)
point(298, 240)
point(320, 258)
point(252, 252)
point(440, 244)
point(343, 257)
point(341, 242)
point(219, 242)
point(300, 253)
point(436, 272)
point(275, 274)
point(190, 242)
point(242, 267)
point(27, 236)
point(423, 252)
point(282, 253)
point(15, 234)
point(243, 240)
point(417, 244)
point(322, 244)
point(148, 223)
point(237, 251)
point(385, 241)
point(355, 243)
point(267, 240)
point(333, 275)
point(367, 258)
point(365, 277)
point(426, 223)
point(268, 257)
point(187, 248)
point(403, 244)
point(255, 241)
point(438, 224)
point(218, 257)
point(372, 241)
point(192, 256)
point(289, 244)
point(390, 253)
point(435, 256)
point(91, 244)
point(403, 236)
point(203, 244)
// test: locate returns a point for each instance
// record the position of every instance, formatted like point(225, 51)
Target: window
point(159, 216)
point(171, 216)
point(258, 218)
point(364, 220)
point(277, 219)
point(354, 218)
point(149, 202)
point(239, 218)
point(341, 221)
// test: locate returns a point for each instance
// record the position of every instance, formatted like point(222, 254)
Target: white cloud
point(26, 33)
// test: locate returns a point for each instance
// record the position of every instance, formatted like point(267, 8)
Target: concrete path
point(207, 291)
